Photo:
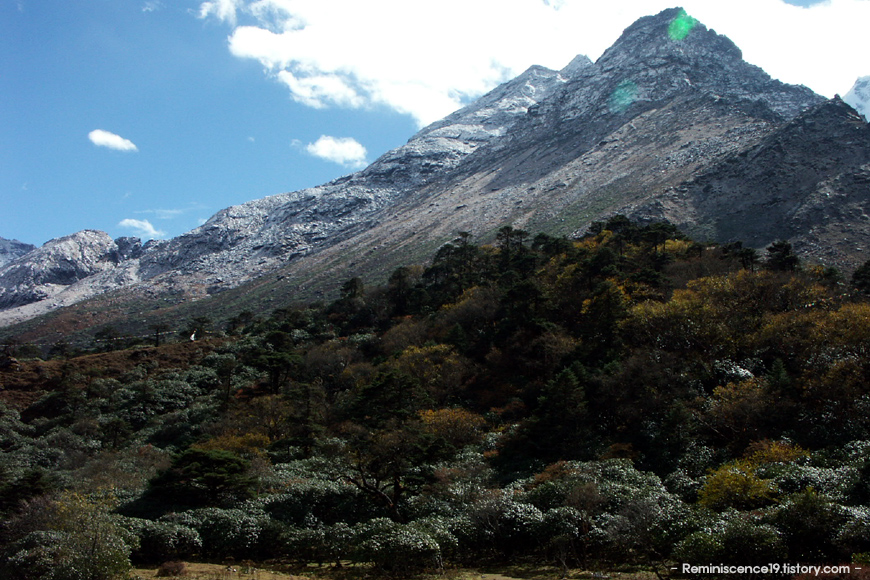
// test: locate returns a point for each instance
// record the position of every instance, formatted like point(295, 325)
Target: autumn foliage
point(631, 397)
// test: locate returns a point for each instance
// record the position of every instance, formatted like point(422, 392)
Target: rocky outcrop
point(61, 262)
point(12, 250)
point(807, 182)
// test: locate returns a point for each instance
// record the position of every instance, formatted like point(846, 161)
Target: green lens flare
point(623, 96)
point(681, 26)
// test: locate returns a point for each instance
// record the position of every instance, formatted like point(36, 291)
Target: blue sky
point(145, 117)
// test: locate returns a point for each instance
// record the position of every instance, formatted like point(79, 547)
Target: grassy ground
point(195, 571)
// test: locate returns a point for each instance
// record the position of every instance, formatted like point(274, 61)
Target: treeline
point(632, 397)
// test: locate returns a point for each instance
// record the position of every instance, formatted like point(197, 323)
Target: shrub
point(327, 501)
point(745, 541)
point(564, 532)
point(741, 540)
point(224, 532)
point(395, 547)
point(854, 537)
point(809, 523)
point(164, 541)
point(505, 526)
point(700, 547)
point(320, 544)
point(86, 542)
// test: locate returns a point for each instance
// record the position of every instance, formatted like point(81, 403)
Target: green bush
point(504, 526)
point(223, 532)
point(741, 540)
point(329, 502)
point(809, 523)
point(163, 541)
point(86, 543)
point(394, 547)
point(321, 544)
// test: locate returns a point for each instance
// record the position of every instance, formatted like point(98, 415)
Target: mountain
point(12, 250)
point(41, 273)
point(807, 182)
point(670, 108)
point(859, 97)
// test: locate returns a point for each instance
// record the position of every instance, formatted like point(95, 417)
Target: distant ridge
point(12, 250)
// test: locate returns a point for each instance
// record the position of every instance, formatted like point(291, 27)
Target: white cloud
point(321, 91)
point(152, 6)
point(142, 228)
point(106, 139)
point(342, 150)
point(163, 214)
point(222, 9)
point(426, 59)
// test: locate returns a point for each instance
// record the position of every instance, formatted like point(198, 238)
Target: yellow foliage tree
point(736, 485)
point(438, 368)
point(459, 427)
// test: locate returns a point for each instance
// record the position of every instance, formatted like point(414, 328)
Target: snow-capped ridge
point(61, 262)
point(859, 97)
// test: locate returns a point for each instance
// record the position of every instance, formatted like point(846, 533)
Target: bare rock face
point(12, 250)
point(61, 262)
point(808, 182)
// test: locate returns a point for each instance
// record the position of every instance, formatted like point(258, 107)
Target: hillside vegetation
point(632, 397)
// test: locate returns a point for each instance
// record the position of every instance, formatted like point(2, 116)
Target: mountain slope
point(548, 151)
point(808, 182)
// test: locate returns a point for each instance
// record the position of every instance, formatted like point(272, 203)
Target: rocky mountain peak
point(670, 34)
point(659, 56)
point(578, 64)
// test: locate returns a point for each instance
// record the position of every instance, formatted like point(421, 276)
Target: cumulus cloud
point(106, 139)
point(426, 59)
point(142, 228)
point(342, 150)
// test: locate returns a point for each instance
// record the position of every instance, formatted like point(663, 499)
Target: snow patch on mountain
point(858, 97)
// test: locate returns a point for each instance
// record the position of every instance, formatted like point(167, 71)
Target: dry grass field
point(197, 571)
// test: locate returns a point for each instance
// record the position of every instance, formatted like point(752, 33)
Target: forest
point(631, 398)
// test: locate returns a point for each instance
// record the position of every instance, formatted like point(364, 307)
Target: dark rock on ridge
point(808, 182)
